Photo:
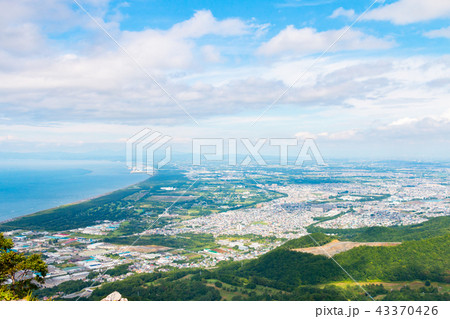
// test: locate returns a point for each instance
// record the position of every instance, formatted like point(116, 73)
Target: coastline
point(72, 203)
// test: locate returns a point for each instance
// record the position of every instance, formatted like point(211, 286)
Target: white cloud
point(7, 137)
point(98, 84)
point(156, 50)
point(203, 23)
point(441, 33)
point(24, 24)
point(302, 3)
point(55, 15)
point(410, 11)
point(21, 39)
point(343, 135)
point(174, 48)
point(434, 129)
point(110, 88)
point(309, 40)
point(104, 82)
point(426, 138)
point(329, 136)
point(211, 53)
point(341, 12)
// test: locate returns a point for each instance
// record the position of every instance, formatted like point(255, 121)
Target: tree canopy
point(19, 273)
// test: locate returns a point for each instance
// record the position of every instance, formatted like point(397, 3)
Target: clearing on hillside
point(335, 247)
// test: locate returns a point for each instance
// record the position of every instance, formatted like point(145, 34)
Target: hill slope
point(431, 228)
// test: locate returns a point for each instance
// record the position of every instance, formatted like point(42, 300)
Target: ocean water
point(28, 186)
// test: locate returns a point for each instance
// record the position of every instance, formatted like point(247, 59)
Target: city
point(279, 209)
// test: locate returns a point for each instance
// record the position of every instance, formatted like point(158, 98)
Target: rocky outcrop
point(114, 296)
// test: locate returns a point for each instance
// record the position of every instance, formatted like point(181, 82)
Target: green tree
point(19, 274)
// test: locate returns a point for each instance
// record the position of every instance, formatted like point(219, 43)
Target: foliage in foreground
point(19, 274)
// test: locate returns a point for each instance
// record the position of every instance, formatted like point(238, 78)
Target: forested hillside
point(431, 228)
point(284, 274)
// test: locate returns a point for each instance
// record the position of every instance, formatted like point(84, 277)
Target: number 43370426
point(407, 310)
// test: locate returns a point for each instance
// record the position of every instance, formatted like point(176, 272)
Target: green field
point(144, 202)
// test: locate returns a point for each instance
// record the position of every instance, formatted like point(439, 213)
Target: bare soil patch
point(335, 247)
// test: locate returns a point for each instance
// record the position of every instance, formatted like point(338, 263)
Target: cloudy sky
point(363, 78)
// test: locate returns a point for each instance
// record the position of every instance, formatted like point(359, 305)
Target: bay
point(28, 186)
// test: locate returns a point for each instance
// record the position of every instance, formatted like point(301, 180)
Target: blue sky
point(382, 90)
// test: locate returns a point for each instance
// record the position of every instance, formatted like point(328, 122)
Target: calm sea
point(30, 186)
